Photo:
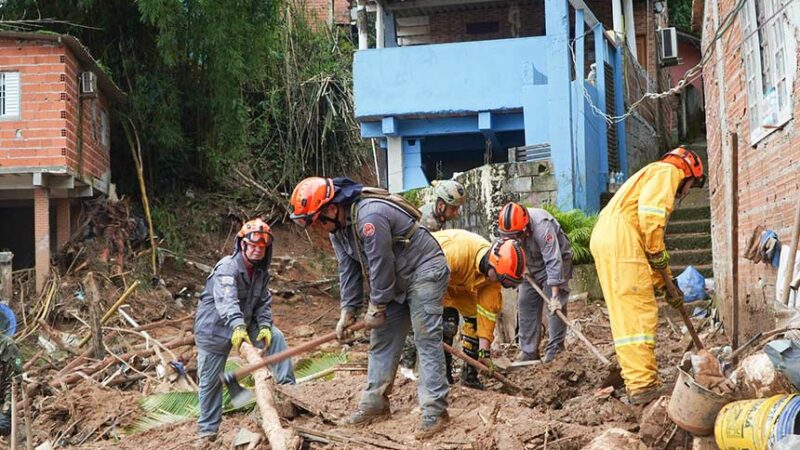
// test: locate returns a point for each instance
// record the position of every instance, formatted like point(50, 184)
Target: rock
point(302, 331)
point(654, 422)
point(704, 443)
point(756, 377)
point(617, 439)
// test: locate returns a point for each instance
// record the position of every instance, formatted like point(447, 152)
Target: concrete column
point(559, 99)
point(630, 28)
point(619, 24)
point(6, 282)
point(63, 222)
point(413, 177)
point(41, 235)
point(394, 162)
point(379, 27)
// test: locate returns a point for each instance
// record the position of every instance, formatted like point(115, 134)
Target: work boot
point(522, 356)
point(469, 377)
point(648, 395)
point(448, 366)
point(365, 417)
point(431, 425)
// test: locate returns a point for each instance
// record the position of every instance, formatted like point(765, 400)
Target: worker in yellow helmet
point(478, 269)
point(630, 255)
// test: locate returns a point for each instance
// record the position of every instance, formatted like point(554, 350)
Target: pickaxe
point(240, 396)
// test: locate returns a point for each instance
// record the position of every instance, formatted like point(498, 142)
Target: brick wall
point(768, 185)
point(91, 159)
point(35, 139)
point(318, 11)
point(452, 26)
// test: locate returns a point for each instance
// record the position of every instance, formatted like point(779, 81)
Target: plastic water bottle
point(620, 178)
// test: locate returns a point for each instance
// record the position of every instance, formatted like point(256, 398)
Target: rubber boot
point(469, 377)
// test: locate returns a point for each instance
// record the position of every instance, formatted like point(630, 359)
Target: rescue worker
point(477, 271)
point(236, 307)
point(447, 206)
point(548, 253)
point(10, 368)
point(377, 240)
point(628, 248)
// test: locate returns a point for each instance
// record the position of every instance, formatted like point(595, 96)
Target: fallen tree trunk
point(74, 377)
point(279, 438)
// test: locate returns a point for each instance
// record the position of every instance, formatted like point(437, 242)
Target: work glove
point(346, 318)
point(376, 316)
point(659, 261)
point(239, 335)
point(265, 334)
point(485, 358)
point(554, 304)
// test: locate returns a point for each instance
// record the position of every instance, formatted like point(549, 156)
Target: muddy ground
point(561, 408)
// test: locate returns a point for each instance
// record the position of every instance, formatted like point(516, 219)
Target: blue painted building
point(454, 84)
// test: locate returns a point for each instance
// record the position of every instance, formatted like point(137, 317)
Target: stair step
point(706, 269)
point(688, 241)
point(694, 257)
point(688, 226)
point(682, 214)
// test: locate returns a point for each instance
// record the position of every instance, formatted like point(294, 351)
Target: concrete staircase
point(688, 235)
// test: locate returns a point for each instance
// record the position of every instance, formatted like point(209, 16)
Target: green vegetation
point(680, 14)
point(578, 226)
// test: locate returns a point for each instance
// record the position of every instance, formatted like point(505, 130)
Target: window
point(9, 94)
point(766, 56)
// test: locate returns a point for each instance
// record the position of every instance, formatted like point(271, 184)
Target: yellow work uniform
point(629, 227)
point(476, 298)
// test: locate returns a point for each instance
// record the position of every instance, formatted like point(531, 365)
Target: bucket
point(693, 407)
point(750, 424)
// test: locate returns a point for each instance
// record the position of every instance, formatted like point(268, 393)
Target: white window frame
point(769, 56)
point(10, 92)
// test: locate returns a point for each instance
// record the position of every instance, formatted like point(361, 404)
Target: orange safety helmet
point(308, 198)
point(256, 232)
point(508, 260)
point(513, 220)
point(689, 162)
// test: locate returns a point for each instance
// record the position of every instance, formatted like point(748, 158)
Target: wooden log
point(113, 309)
point(279, 438)
point(93, 297)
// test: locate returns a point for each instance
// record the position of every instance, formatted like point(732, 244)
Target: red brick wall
point(317, 11)
point(40, 123)
point(93, 159)
point(452, 26)
point(768, 185)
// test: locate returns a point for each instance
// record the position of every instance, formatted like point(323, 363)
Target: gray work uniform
point(429, 219)
point(232, 298)
point(410, 278)
point(548, 255)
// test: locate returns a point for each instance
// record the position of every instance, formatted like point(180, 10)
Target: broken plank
point(330, 436)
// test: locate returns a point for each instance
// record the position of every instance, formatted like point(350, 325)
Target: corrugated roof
point(104, 81)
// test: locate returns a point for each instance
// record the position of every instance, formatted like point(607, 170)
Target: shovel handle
point(671, 288)
point(481, 367)
point(561, 316)
point(289, 352)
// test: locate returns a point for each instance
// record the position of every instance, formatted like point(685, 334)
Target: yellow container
point(748, 424)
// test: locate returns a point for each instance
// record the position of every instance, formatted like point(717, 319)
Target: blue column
point(600, 72)
point(559, 99)
point(619, 86)
point(390, 31)
point(581, 175)
point(413, 177)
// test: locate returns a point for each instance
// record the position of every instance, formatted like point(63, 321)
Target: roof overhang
point(106, 84)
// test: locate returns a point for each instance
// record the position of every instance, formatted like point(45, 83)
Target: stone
point(544, 183)
point(617, 439)
point(519, 184)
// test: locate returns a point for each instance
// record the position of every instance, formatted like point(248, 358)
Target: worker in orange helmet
point(378, 239)
point(236, 307)
point(631, 259)
point(478, 269)
point(549, 263)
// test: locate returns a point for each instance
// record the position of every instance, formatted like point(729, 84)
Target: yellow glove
point(265, 334)
point(659, 261)
point(240, 335)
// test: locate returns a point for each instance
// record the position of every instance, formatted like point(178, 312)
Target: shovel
point(240, 396)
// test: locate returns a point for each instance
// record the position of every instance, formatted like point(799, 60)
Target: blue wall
point(444, 78)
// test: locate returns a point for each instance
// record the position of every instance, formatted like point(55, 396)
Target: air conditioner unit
point(88, 83)
point(668, 44)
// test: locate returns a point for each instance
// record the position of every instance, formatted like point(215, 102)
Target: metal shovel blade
point(239, 395)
